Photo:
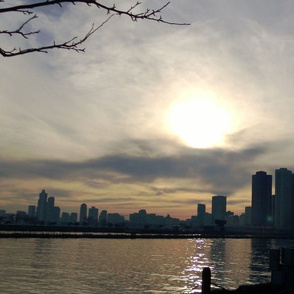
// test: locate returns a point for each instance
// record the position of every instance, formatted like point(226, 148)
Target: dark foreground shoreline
point(266, 288)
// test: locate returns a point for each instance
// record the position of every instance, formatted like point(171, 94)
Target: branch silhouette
point(75, 43)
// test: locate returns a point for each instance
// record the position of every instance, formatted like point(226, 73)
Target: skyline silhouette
point(267, 209)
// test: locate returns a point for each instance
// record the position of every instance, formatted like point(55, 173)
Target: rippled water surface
point(131, 266)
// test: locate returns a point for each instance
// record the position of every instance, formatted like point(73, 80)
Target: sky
point(151, 116)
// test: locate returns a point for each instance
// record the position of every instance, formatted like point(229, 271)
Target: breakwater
point(37, 231)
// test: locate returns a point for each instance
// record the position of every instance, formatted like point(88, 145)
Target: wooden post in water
point(206, 280)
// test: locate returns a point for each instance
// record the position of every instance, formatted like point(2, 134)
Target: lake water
point(131, 266)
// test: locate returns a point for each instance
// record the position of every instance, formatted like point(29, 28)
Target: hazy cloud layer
point(223, 170)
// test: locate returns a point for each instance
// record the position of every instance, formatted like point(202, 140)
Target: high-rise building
point(248, 216)
point(42, 206)
point(261, 199)
point(55, 214)
point(200, 214)
point(32, 211)
point(93, 214)
point(219, 207)
point(102, 218)
point(142, 217)
point(65, 219)
point(83, 213)
point(73, 217)
point(284, 198)
point(50, 209)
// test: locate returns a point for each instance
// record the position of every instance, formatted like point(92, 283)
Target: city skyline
point(261, 189)
point(266, 208)
point(150, 116)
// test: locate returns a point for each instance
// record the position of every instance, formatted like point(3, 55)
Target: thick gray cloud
point(224, 170)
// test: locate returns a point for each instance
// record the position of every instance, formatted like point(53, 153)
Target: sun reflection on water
point(229, 261)
point(197, 259)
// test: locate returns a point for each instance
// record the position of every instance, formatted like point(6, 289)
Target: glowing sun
point(199, 122)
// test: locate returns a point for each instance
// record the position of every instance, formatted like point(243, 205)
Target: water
point(131, 266)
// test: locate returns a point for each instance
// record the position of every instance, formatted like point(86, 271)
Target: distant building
point(261, 199)
point(32, 211)
point(65, 218)
point(115, 218)
point(73, 217)
point(152, 219)
point(21, 214)
point(201, 214)
point(208, 219)
point(142, 217)
point(242, 220)
point(102, 218)
point(93, 215)
point(42, 207)
point(83, 213)
point(55, 218)
point(50, 209)
point(219, 207)
point(284, 198)
point(134, 219)
point(248, 216)
point(233, 220)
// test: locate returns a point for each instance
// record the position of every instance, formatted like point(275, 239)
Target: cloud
point(222, 170)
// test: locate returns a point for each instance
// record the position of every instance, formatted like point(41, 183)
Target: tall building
point(93, 214)
point(55, 218)
point(73, 218)
point(248, 216)
point(219, 207)
point(42, 206)
point(284, 198)
point(102, 218)
point(50, 209)
point(200, 214)
point(142, 217)
point(65, 219)
point(32, 211)
point(261, 201)
point(83, 213)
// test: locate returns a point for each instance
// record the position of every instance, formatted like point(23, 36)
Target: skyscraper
point(261, 199)
point(50, 209)
point(284, 198)
point(83, 213)
point(102, 218)
point(73, 218)
point(93, 214)
point(32, 211)
point(219, 207)
point(42, 206)
point(200, 214)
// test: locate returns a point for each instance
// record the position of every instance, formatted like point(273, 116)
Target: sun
point(199, 121)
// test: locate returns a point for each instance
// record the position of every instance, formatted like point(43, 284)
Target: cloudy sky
point(151, 115)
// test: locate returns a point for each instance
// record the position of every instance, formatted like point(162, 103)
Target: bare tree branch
point(72, 44)
point(19, 30)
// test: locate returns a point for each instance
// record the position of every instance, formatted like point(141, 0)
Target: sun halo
point(199, 122)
